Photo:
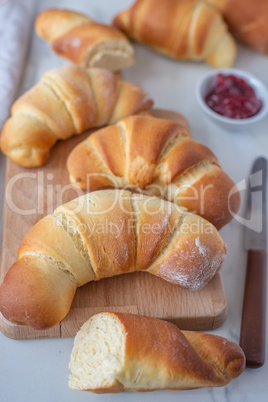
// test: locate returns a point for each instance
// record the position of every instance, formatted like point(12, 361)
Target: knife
point(252, 335)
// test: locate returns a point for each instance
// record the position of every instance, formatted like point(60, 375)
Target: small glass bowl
point(208, 82)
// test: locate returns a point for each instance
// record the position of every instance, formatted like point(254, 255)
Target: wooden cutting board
point(31, 194)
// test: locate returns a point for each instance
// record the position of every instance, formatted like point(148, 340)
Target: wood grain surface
point(31, 194)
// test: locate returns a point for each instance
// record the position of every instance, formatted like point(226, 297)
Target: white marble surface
point(37, 370)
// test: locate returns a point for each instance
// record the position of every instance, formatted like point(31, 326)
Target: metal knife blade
point(255, 217)
point(253, 324)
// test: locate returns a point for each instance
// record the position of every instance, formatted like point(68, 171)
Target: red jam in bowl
point(233, 97)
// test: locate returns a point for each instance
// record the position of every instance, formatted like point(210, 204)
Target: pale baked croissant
point(84, 41)
point(77, 244)
point(67, 101)
point(247, 20)
point(159, 157)
point(182, 29)
point(116, 352)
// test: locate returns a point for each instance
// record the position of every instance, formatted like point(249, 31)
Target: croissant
point(100, 235)
point(248, 21)
point(181, 29)
point(116, 352)
point(159, 157)
point(83, 41)
point(67, 101)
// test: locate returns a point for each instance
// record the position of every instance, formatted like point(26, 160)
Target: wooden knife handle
point(252, 335)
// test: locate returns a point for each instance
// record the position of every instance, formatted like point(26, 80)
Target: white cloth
point(16, 19)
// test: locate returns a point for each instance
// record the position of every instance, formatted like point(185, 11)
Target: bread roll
point(158, 157)
point(67, 101)
point(181, 29)
point(84, 41)
point(116, 352)
point(103, 234)
point(247, 20)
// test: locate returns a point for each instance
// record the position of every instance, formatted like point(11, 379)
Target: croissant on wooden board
point(67, 101)
point(159, 157)
point(247, 20)
point(77, 244)
point(181, 29)
point(84, 41)
point(115, 352)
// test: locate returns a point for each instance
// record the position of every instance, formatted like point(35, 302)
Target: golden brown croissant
point(159, 157)
point(83, 41)
point(247, 20)
point(67, 101)
point(116, 352)
point(182, 29)
point(103, 234)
